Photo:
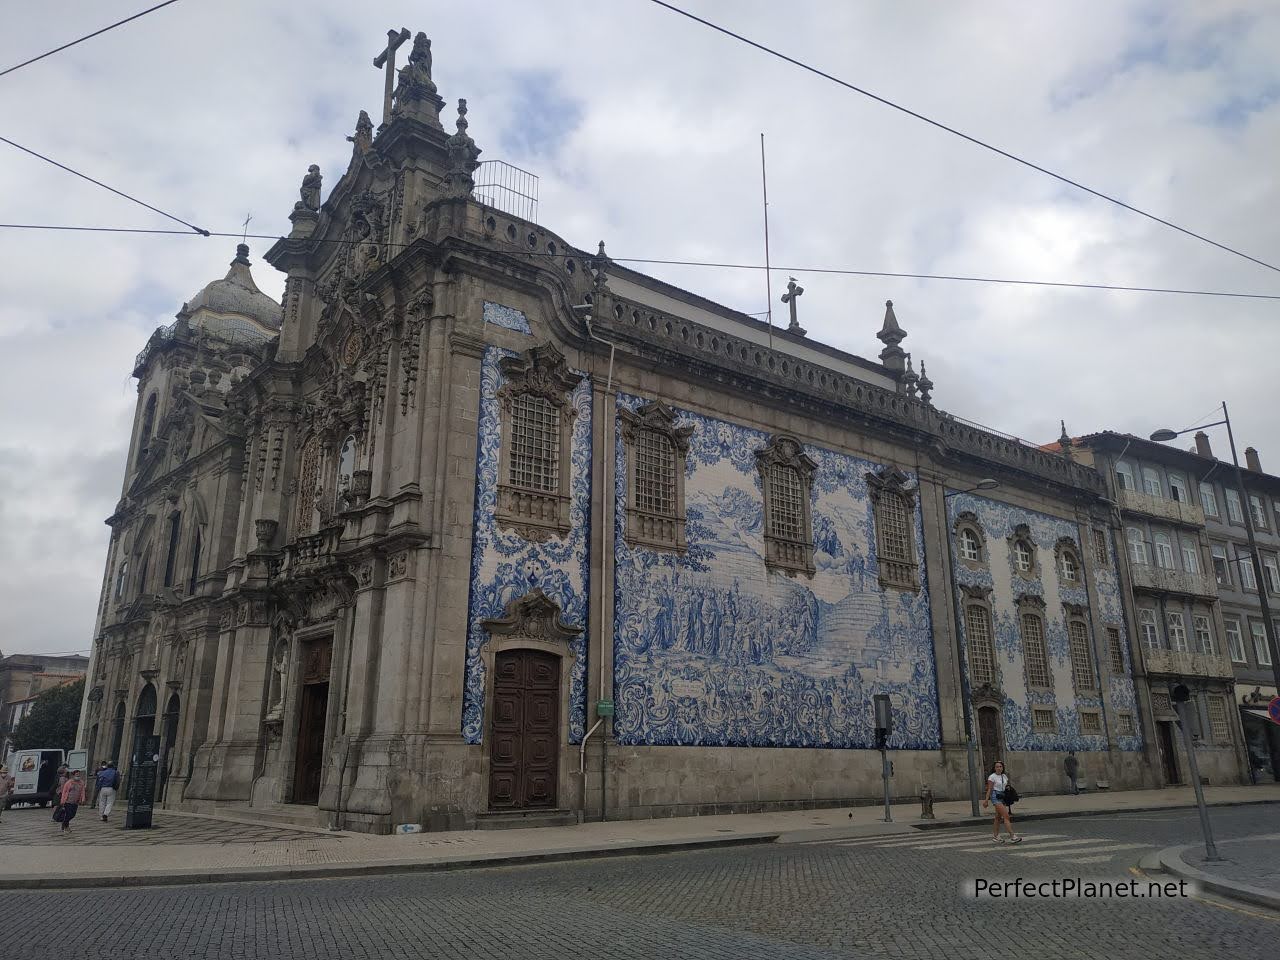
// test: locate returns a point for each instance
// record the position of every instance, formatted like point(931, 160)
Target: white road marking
point(1031, 854)
point(1098, 859)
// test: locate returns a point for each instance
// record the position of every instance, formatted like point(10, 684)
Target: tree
point(52, 720)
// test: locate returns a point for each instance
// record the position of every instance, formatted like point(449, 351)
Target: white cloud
point(647, 135)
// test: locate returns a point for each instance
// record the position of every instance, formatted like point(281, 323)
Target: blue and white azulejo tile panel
point(506, 566)
point(713, 649)
point(509, 317)
point(997, 522)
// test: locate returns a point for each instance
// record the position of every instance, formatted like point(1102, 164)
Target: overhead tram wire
point(118, 193)
point(87, 36)
point(964, 136)
point(654, 261)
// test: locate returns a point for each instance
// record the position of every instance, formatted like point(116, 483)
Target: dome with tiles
point(233, 308)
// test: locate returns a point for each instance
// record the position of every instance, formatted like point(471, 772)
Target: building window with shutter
point(893, 505)
point(1115, 650)
point(656, 452)
point(1082, 672)
point(786, 480)
point(537, 431)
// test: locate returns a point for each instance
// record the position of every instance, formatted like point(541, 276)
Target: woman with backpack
point(1000, 792)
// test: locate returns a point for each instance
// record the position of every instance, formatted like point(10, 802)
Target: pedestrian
point(59, 782)
point(108, 779)
point(997, 785)
point(69, 800)
point(6, 788)
point(1072, 766)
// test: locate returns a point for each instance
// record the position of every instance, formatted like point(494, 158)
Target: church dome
point(234, 307)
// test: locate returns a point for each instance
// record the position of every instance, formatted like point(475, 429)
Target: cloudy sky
point(644, 129)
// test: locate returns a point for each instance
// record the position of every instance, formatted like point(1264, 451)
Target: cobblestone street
point(871, 897)
point(34, 826)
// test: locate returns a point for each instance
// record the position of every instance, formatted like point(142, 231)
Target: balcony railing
point(1185, 663)
point(1161, 580)
point(1174, 511)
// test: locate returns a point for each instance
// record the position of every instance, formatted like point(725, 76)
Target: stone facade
point(496, 527)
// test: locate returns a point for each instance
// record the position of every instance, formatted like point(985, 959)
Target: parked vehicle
point(35, 776)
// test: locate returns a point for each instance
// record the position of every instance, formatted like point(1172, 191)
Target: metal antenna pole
point(768, 281)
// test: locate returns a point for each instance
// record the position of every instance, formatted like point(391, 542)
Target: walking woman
point(69, 801)
point(6, 788)
point(997, 784)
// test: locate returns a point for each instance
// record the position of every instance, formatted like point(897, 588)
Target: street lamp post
point(1254, 557)
point(972, 762)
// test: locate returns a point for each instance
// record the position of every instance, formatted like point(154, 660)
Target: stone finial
point(600, 267)
point(891, 334)
point(794, 290)
point(463, 157)
point(909, 379)
point(363, 137)
point(1064, 442)
point(925, 385)
point(310, 190)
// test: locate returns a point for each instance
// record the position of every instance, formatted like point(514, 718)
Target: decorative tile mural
point(505, 566)
point(713, 649)
point(508, 317)
point(998, 521)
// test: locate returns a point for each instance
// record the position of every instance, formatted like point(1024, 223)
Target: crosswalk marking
point(1098, 859)
point(984, 842)
point(1113, 847)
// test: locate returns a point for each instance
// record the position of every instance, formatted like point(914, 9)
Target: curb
point(1093, 812)
point(338, 871)
point(1170, 860)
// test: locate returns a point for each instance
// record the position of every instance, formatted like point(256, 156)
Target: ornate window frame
point(1065, 552)
point(979, 599)
point(1084, 670)
point(661, 531)
point(1032, 606)
point(1022, 535)
point(785, 554)
point(967, 522)
point(540, 372)
point(895, 573)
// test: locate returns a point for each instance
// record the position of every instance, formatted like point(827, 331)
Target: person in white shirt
point(997, 783)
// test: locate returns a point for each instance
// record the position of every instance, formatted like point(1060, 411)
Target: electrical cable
point(87, 36)
point(898, 275)
point(964, 136)
point(119, 193)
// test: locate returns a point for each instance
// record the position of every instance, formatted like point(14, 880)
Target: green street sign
point(604, 708)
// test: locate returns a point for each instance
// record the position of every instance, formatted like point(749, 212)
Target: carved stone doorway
point(525, 745)
point(313, 709)
point(989, 739)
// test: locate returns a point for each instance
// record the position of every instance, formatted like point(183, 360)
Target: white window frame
point(1204, 633)
point(1248, 576)
point(1191, 558)
point(1070, 567)
point(1124, 477)
point(1235, 512)
point(1137, 546)
point(1164, 551)
point(1235, 641)
point(1024, 557)
point(1223, 579)
point(1147, 626)
point(1177, 488)
point(1261, 649)
point(970, 545)
point(1208, 499)
point(1273, 574)
point(1177, 624)
point(1259, 512)
point(1151, 484)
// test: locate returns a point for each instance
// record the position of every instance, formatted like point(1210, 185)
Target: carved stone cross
point(387, 58)
point(794, 290)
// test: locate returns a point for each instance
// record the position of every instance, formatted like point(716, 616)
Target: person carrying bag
point(1000, 792)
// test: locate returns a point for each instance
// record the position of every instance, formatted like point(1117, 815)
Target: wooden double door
point(525, 734)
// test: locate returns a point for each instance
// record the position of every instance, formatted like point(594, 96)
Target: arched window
point(656, 452)
point(1023, 556)
point(1070, 567)
point(1035, 655)
point(148, 428)
point(195, 563)
point(308, 480)
point(144, 718)
point(977, 631)
point(970, 546)
point(171, 558)
point(786, 479)
point(122, 576)
point(142, 573)
point(893, 505)
point(1137, 546)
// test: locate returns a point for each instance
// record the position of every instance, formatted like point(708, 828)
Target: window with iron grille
point(1082, 671)
point(1043, 720)
point(1034, 653)
point(786, 503)
point(655, 473)
point(535, 444)
point(1100, 547)
point(1218, 727)
point(1160, 703)
point(1115, 650)
point(1090, 722)
point(1125, 725)
point(786, 479)
point(977, 623)
point(893, 526)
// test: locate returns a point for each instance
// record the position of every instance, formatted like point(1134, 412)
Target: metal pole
point(768, 279)
point(1210, 849)
point(884, 772)
point(1258, 572)
point(966, 706)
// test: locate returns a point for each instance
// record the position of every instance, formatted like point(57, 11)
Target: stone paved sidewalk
point(186, 848)
point(1249, 868)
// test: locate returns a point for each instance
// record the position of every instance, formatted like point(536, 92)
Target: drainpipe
point(584, 311)
point(582, 770)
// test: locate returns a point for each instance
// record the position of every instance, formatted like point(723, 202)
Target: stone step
point(290, 815)
point(524, 819)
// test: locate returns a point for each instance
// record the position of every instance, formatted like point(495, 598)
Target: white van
point(35, 776)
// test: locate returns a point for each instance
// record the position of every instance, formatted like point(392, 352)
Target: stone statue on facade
point(279, 669)
point(311, 189)
point(363, 137)
point(415, 76)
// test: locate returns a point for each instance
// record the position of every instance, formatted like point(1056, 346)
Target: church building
point(480, 526)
